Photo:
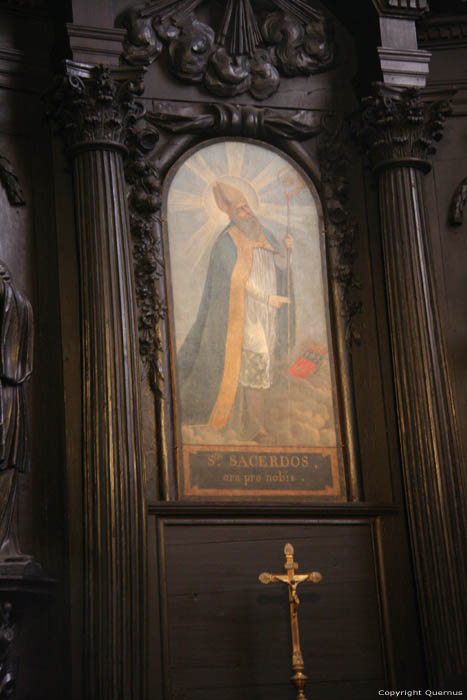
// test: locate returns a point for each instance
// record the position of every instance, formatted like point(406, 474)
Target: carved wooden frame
point(154, 149)
point(337, 491)
point(243, 51)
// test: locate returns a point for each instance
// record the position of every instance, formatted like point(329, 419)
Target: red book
point(307, 363)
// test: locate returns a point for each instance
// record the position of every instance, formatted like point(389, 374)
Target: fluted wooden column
point(399, 130)
point(95, 106)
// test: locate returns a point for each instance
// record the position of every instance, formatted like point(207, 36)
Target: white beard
point(250, 227)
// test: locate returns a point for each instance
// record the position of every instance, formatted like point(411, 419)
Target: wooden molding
point(95, 107)
point(401, 131)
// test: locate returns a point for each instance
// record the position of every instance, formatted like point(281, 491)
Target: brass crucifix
point(292, 580)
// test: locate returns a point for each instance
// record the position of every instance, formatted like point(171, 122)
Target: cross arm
point(314, 577)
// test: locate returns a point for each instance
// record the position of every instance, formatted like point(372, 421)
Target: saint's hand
point(288, 242)
point(276, 301)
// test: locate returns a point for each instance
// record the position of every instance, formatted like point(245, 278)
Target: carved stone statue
point(16, 351)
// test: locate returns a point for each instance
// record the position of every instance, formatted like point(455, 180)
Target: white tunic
point(259, 334)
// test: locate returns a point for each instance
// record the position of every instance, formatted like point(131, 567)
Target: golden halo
point(245, 187)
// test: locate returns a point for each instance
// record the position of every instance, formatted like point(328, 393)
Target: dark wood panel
point(28, 247)
point(324, 691)
point(226, 632)
point(449, 247)
point(274, 511)
point(155, 672)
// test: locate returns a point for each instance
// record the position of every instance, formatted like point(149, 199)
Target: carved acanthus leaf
point(399, 126)
point(96, 104)
point(247, 52)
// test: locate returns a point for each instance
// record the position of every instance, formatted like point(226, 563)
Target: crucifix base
point(299, 680)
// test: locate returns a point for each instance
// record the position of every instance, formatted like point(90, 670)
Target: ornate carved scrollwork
point(249, 51)
point(145, 224)
point(94, 108)
point(144, 170)
point(7, 636)
point(175, 128)
point(98, 109)
point(341, 234)
point(399, 128)
point(10, 183)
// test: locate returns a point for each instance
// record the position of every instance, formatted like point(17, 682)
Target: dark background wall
point(28, 246)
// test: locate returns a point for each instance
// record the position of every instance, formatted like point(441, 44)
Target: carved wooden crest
point(251, 46)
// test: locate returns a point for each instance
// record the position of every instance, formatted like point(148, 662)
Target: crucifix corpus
point(292, 580)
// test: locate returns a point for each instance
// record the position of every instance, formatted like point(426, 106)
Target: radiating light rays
point(195, 222)
point(230, 161)
point(266, 176)
point(201, 241)
point(179, 200)
point(301, 217)
point(200, 167)
point(235, 151)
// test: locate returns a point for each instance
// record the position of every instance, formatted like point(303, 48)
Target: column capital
point(95, 106)
point(404, 9)
point(400, 129)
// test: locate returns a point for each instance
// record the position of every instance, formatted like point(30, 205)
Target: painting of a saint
point(246, 296)
point(252, 367)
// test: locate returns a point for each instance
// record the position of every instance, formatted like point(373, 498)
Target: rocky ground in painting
point(299, 412)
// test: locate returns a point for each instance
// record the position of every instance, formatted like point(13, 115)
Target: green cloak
point(202, 355)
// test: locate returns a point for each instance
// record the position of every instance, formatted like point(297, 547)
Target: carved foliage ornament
point(400, 128)
point(93, 107)
point(144, 170)
point(147, 165)
point(247, 51)
point(342, 231)
point(144, 202)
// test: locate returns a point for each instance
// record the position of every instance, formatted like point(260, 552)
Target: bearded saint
point(245, 322)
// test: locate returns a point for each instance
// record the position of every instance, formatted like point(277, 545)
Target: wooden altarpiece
point(122, 148)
